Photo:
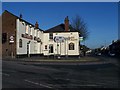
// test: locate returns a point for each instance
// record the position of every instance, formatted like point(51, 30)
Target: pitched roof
point(60, 28)
point(21, 19)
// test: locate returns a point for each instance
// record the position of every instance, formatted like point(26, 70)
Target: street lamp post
point(80, 39)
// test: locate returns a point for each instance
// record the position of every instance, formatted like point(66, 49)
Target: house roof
point(22, 19)
point(60, 28)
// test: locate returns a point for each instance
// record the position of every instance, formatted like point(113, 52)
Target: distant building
point(118, 30)
point(0, 37)
point(115, 48)
point(21, 38)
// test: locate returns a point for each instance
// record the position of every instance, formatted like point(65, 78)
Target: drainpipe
point(28, 48)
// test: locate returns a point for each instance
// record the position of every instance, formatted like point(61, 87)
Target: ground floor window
point(20, 43)
point(45, 46)
point(35, 46)
point(71, 46)
point(51, 48)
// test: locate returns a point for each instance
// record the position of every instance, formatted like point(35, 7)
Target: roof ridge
point(55, 26)
point(20, 18)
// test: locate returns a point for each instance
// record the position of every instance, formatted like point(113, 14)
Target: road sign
point(11, 37)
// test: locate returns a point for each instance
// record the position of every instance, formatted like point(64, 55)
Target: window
point(20, 43)
point(45, 46)
point(38, 33)
point(30, 31)
point(35, 32)
point(26, 28)
point(50, 35)
point(35, 46)
point(4, 37)
point(51, 48)
point(71, 46)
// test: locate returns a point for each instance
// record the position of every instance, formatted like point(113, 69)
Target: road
point(17, 74)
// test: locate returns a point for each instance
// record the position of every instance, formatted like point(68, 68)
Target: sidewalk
point(69, 61)
point(46, 59)
point(83, 61)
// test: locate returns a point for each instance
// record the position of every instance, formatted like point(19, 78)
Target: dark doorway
point(51, 48)
point(28, 50)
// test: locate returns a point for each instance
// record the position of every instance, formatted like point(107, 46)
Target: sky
point(119, 21)
point(101, 17)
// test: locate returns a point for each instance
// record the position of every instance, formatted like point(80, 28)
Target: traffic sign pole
point(11, 42)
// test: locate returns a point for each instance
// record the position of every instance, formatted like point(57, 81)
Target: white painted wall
point(38, 48)
point(34, 46)
point(63, 48)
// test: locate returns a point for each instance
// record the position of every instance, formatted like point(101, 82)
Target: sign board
point(81, 38)
point(70, 38)
point(59, 39)
point(11, 39)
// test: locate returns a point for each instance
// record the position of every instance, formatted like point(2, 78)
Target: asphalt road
point(23, 75)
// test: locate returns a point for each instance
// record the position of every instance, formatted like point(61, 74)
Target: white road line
point(93, 85)
point(38, 84)
point(5, 74)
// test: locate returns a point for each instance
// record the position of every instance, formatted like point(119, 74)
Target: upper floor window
point(71, 46)
point(38, 33)
point(35, 32)
point(30, 30)
point(26, 29)
point(50, 35)
point(4, 37)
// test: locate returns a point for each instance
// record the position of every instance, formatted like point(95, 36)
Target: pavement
point(88, 60)
point(47, 59)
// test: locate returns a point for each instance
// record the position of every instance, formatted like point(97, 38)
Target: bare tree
point(78, 24)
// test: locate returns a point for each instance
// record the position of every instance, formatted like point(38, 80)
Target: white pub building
point(28, 39)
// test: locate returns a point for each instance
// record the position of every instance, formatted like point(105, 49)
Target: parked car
point(98, 53)
point(111, 54)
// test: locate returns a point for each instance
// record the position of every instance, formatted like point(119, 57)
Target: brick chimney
point(66, 22)
point(36, 25)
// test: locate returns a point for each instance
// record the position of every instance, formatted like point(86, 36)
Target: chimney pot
point(66, 22)
point(36, 25)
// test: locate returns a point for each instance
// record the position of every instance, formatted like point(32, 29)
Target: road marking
point(5, 74)
point(37, 83)
point(89, 85)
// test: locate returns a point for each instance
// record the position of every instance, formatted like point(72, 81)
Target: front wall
point(20, 31)
point(9, 27)
point(63, 48)
point(17, 28)
point(33, 46)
